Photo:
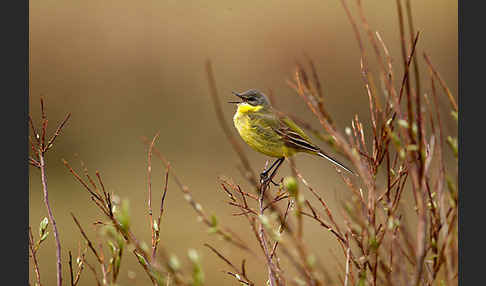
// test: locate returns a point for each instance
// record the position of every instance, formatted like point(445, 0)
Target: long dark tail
point(335, 162)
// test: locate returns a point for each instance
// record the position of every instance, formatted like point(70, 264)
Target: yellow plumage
point(257, 126)
point(263, 130)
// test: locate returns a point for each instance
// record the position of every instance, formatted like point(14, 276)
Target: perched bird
point(266, 132)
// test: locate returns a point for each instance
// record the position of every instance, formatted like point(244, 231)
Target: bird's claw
point(265, 179)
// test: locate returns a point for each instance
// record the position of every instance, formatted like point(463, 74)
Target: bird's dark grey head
point(253, 97)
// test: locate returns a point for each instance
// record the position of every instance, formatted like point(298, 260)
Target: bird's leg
point(265, 172)
point(264, 175)
point(274, 172)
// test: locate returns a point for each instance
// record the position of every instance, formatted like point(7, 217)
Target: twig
point(40, 151)
point(94, 273)
point(405, 65)
point(71, 268)
point(272, 275)
point(281, 229)
point(80, 267)
point(222, 257)
point(149, 174)
point(157, 233)
point(33, 252)
point(411, 30)
point(91, 246)
point(58, 132)
point(442, 82)
point(51, 217)
point(347, 267)
point(196, 206)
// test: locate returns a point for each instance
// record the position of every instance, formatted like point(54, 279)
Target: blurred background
point(128, 69)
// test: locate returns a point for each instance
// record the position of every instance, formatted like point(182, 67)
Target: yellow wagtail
point(266, 132)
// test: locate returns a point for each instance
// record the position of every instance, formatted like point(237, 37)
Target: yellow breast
point(257, 133)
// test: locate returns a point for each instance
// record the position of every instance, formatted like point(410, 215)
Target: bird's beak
point(237, 94)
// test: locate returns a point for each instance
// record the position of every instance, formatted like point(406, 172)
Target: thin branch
point(33, 252)
point(51, 218)
point(442, 82)
point(411, 30)
point(272, 271)
point(149, 179)
point(157, 233)
point(71, 268)
point(58, 132)
point(222, 257)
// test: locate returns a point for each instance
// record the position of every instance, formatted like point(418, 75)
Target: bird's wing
point(294, 136)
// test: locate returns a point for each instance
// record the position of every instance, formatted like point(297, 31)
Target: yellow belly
point(260, 137)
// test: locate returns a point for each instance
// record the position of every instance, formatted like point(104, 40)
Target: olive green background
point(127, 69)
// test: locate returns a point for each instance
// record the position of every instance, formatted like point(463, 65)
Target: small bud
point(43, 226)
point(311, 260)
point(44, 236)
point(402, 154)
point(453, 144)
point(141, 260)
point(156, 226)
point(112, 248)
point(414, 128)
point(403, 123)
point(214, 224)
point(214, 221)
point(174, 263)
point(115, 199)
point(264, 220)
point(123, 215)
point(412, 147)
point(187, 197)
point(193, 255)
point(454, 115)
point(291, 185)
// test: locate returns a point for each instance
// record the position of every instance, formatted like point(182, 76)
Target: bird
point(261, 127)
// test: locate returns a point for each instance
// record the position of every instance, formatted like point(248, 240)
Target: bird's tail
point(335, 162)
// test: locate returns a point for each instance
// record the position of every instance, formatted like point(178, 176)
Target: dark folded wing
point(295, 140)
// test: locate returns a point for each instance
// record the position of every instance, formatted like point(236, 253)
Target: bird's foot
point(264, 179)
